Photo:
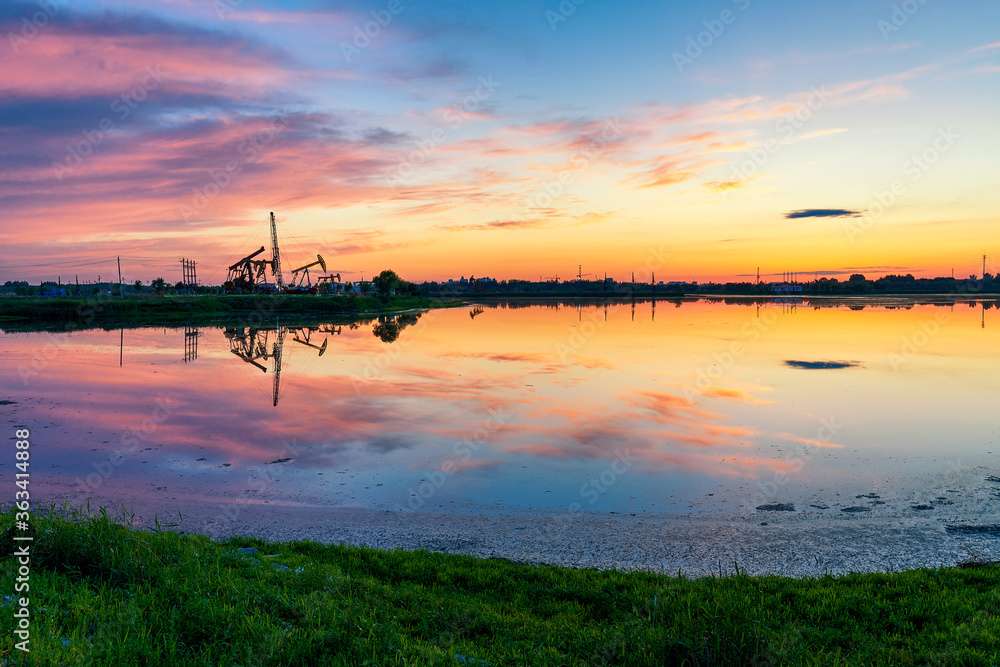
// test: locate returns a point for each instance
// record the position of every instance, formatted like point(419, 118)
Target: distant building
point(785, 288)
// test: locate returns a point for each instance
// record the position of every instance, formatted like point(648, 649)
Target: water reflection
point(251, 344)
point(191, 336)
point(707, 398)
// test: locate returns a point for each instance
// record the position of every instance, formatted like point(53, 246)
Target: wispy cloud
point(822, 213)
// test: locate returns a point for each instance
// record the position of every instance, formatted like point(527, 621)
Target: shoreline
point(32, 314)
point(796, 544)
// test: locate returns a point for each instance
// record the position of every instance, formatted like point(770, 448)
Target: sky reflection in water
point(610, 408)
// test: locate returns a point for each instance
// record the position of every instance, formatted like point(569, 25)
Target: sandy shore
point(789, 543)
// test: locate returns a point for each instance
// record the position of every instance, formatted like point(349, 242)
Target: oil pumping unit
point(249, 275)
point(301, 280)
point(246, 275)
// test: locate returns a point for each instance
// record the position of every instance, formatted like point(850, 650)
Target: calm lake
point(693, 407)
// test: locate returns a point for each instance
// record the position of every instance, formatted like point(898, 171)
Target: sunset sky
point(511, 139)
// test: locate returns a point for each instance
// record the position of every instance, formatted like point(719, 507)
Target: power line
point(71, 265)
point(227, 263)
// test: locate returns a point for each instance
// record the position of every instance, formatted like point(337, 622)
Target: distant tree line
point(388, 283)
point(857, 284)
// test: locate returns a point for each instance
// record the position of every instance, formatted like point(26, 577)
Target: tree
point(179, 286)
point(856, 278)
point(159, 285)
point(387, 332)
point(385, 282)
point(138, 286)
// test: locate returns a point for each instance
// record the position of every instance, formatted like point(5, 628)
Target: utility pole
point(984, 268)
point(121, 292)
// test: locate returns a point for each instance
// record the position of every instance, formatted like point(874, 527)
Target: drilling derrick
point(279, 282)
point(276, 355)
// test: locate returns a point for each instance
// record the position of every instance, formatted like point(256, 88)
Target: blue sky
point(510, 139)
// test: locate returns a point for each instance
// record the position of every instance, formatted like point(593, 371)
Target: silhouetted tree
point(387, 332)
point(385, 282)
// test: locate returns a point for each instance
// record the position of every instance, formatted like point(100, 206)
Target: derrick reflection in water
point(265, 344)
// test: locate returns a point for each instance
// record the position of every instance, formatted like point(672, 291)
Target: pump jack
point(246, 275)
point(328, 284)
point(301, 280)
point(306, 333)
point(249, 275)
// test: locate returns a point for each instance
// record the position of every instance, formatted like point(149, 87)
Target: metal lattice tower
point(190, 276)
point(276, 355)
point(275, 258)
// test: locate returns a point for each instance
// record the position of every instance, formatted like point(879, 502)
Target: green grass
point(81, 313)
point(103, 593)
